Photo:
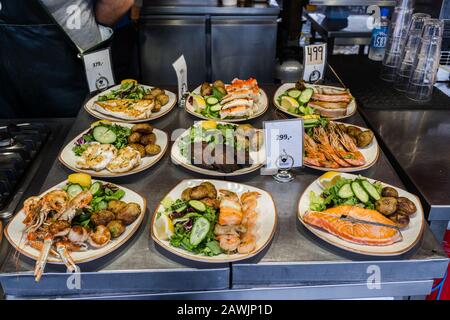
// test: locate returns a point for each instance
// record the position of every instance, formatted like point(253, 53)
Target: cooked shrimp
point(248, 243)
point(31, 207)
point(229, 242)
point(230, 209)
point(56, 200)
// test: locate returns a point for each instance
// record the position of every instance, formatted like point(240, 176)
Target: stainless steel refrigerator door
point(163, 39)
point(243, 47)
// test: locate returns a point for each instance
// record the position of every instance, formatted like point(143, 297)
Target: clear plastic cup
point(398, 30)
point(410, 51)
point(426, 63)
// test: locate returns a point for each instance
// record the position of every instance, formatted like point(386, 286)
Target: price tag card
point(98, 67)
point(181, 69)
point(314, 61)
point(284, 144)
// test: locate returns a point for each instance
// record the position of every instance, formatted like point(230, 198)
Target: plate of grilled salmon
point(240, 100)
point(76, 221)
point(214, 221)
point(131, 102)
point(362, 215)
point(302, 99)
point(115, 149)
point(338, 146)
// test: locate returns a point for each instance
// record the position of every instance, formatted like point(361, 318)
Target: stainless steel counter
point(295, 265)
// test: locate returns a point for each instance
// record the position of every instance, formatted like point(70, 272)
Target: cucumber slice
point(96, 186)
point(359, 192)
point(310, 121)
point(305, 96)
point(103, 134)
point(345, 191)
point(197, 205)
point(199, 231)
point(294, 93)
point(212, 101)
point(73, 190)
point(216, 107)
point(370, 189)
point(179, 206)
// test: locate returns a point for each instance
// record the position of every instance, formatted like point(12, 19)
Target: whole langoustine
point(356, 232)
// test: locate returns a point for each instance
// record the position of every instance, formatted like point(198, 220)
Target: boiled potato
point(200, 192)
point(205, 89)
point(386, 205)
point(152, 149)
point(156, 92)
point(405, 206)
point(135, 137)
point(219, 84)
point(364, 138)
point(102, 217)
point(156, 107)
point(116, 228)
point(389, 192)
point(116, 205)
point(186, 194)
point(129, 213)
point(143, 128)
point(163, 99)
point(148, 139)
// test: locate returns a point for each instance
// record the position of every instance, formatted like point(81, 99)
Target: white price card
point(314, 61)
point(284, 143)
point(181, 69)
point(98, 67)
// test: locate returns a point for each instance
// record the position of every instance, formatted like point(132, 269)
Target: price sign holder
point(314, 62)
point(284, 148)
point(98, 69)
point(181, 69)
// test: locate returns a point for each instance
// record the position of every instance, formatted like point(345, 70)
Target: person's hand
point(109, 12)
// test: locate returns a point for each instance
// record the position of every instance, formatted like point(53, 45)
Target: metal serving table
point(295, 266)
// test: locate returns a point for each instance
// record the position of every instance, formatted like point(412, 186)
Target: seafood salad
point(336, 145)
point(210, 222)
point(224, 147)
point(82, 215)
point(221, 101)
point(131, 101)
point(359, 211)
point(306, 100)
point(114, 147)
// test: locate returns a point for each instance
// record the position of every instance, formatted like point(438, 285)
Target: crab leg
point(43, 256)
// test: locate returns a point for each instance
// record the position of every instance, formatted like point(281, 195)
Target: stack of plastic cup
point(398, 31)
point(426, 63)
point(410, 50)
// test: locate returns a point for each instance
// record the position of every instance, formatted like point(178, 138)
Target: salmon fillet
point(359, 233)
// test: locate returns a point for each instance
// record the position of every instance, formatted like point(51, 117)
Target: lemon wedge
point(289, 103)
point(164, 227)
point(99, 122)
point(198, 102)
point(82, 179)
point(128, 80)
point(328, 179)
point(209, 124)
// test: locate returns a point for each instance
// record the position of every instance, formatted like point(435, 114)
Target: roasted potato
point(206, 89)
point(402, 220)
point(143, 128)
point(156, 107)
point(353, 131)
point(405, 206)
point(163, 99)
point(215, 203)
point(138, 147)
point(116, 228)
point(186, 194)
point(212, 192)
point(129, 213)
point(102, 217)
point(148, 139)
point(199, 192)
point(152, 149)
point(116, 205)
point(135, 137)
point(222, 90)
point(386, 205)
point(389, 192)
point(219, 84)
point(364, 138)
point(156, 92)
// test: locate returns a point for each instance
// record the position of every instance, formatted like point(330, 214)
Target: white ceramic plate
point(263, 104)
point(179, 159)
point(265, 225)
point(89, 106)
point(68, 157)
point(351, 108)
point(411, 234)
point(15, 228)
point(370, 153)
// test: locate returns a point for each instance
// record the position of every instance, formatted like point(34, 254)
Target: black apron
point(40, 74)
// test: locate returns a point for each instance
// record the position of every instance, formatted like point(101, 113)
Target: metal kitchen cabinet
point(243, 47)
point(162, 39)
